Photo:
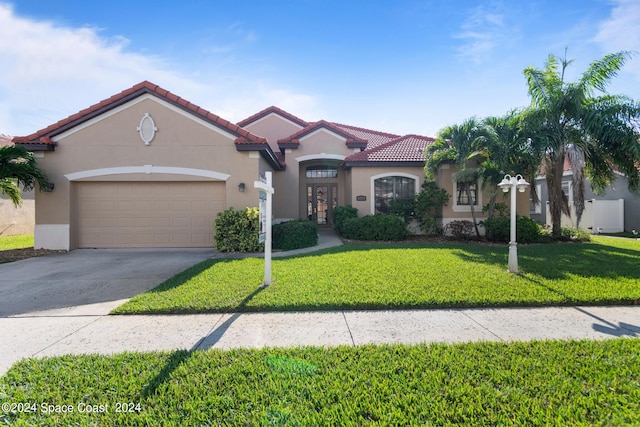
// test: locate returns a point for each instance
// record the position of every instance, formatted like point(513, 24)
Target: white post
point(267, 187)
point(513, 183)
point(267, 242)
point(513, 246)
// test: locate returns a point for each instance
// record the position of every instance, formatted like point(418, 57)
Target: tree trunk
point(558, 202)
point(473, 212)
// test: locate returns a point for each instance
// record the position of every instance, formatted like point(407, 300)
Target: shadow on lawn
point(559, 260)
point(179, 357)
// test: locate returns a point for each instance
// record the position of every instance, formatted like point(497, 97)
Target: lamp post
point(511, 183)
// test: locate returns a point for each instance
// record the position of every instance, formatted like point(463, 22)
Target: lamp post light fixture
point(511, 183)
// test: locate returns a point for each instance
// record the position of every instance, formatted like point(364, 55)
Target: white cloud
point(50, 72)
point(482, 31)
point(622, 32)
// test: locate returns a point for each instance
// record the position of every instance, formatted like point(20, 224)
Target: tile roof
point(352, 140)
point(275, 110)
point(405, 149)
point(373, 137)
point(43, 136)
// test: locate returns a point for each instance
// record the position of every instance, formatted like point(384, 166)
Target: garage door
point(147, 214)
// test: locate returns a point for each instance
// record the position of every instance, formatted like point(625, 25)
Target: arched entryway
point(322, 185)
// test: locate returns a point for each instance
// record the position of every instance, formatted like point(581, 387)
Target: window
point(322, 172)
point(535, 208)
point(392, 188)
point(462, 195)
point(566, 189)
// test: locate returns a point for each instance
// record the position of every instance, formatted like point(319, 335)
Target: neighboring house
point(147, 168)
point(616, 209)
point(20, 220)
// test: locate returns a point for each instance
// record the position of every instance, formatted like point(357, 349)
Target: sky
point(398, 66)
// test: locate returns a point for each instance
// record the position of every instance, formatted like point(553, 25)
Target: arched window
point(392, 188)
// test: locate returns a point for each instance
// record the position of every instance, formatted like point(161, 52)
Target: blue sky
point(402, 66)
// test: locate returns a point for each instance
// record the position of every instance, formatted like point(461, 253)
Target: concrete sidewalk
point(52, 335)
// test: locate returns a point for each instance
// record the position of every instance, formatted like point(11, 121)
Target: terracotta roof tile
point(373, 137)
point(43, 136)
point(275, 110)
point(408, 148)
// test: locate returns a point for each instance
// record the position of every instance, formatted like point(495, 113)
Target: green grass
point(16, 242)
point(554, 383)
point(378, 276)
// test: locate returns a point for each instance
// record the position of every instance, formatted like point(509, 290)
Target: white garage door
point(147, 214)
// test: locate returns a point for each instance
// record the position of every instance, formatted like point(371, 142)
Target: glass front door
point(321, 200)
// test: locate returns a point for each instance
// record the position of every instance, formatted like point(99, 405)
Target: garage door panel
point(147, 214)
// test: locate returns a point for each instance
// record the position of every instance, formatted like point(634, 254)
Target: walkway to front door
point(321, 200)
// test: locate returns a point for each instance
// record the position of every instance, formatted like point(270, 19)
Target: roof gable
point(44, 136)
point(293, 141)
point(273, 110)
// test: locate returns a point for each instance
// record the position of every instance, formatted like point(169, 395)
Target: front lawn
point(476, 384)
point(382, 276)
point(16, 242)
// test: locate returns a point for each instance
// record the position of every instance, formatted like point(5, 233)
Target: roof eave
point(265, 151)
point(366, 163)
point(34, 146)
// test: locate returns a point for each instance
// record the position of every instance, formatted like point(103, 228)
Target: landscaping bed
point(476, 384)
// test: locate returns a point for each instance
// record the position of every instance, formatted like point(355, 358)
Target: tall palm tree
point(597, 132)
point(18, 168)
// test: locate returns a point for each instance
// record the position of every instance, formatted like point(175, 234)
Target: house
point(617, 209)
point(146, 168)
point(16, 220)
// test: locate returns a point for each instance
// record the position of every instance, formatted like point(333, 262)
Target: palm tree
point(505, 149)
point(458, 143)
point(18, 168)
point(597, 134)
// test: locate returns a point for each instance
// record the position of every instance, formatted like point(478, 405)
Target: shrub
point(499, 229)
point(461, 229)
point(295, 234)
point(375, 227)
point(237, 230)
point(428, 207)
point(403, 208)
point(576, 234)
point(341, 214)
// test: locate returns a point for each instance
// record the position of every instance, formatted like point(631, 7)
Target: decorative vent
point(147, 129)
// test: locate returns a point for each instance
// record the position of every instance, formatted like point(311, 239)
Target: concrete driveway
point(88, 281)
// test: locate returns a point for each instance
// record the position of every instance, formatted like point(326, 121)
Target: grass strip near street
point(475, 384)
point(388, 276)
point(16, 242)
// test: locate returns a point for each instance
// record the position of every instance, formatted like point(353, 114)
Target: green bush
point(341, 214)
point(375, 227)
point(237, 230)
point(461, 229)
point(499, 229)
point(428, 207)
point(403, 208)
point(295, 234)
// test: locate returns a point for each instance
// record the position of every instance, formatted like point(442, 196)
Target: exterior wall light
point(241, 187)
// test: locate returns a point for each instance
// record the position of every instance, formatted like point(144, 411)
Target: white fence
point(599, 216)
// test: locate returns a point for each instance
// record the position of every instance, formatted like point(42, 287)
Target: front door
point(321, 200)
